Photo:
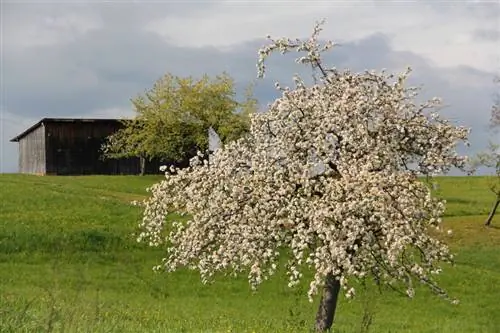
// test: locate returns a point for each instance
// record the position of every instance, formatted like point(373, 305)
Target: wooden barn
point(61, 146)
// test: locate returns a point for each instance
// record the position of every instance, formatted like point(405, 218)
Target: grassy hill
point(69, 263)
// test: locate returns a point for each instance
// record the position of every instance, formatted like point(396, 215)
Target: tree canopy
point(173, 117)
point(330, 174)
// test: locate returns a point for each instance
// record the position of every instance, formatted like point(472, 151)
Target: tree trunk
point(142, 162)
point(327, 304)
point(492, 213)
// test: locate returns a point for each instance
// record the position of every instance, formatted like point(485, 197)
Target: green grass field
point(69, 263)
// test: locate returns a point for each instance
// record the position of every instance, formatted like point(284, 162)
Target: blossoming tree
point(491, 158)
point(330, 173)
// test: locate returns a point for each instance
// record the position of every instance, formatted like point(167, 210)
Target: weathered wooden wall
point(32, 152)
point(73, 148)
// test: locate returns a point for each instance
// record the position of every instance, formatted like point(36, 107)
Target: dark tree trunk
point(492, 213)
point(327, 304)
point(142, 162)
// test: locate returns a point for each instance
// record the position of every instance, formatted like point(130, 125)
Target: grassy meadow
point(69, 263)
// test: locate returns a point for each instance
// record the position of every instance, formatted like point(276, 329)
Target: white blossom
point(364, 213)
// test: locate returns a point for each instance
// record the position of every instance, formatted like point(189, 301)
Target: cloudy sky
point(88, 58)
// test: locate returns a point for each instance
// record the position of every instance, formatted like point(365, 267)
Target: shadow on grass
point(91, 240)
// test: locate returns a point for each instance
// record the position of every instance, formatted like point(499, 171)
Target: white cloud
point(31, 26)
point(110, 113)
point(443, 33)
point(447, 37)
point(232, 22)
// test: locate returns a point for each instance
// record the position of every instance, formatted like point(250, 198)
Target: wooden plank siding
point(74, 148)
point(32, 152)
point(62, 146)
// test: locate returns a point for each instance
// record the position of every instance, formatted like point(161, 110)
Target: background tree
point(491, 157)
point(173, 117)
point(328, 176)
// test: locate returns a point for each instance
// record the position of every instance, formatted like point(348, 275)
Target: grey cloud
point(484, 9)
point(489, 10)
point(488, 35)
point(117, 13)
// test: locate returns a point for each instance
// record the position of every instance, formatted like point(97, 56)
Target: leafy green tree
point(173, 117)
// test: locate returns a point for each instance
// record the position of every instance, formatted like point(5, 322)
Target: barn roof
point(60, 120)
